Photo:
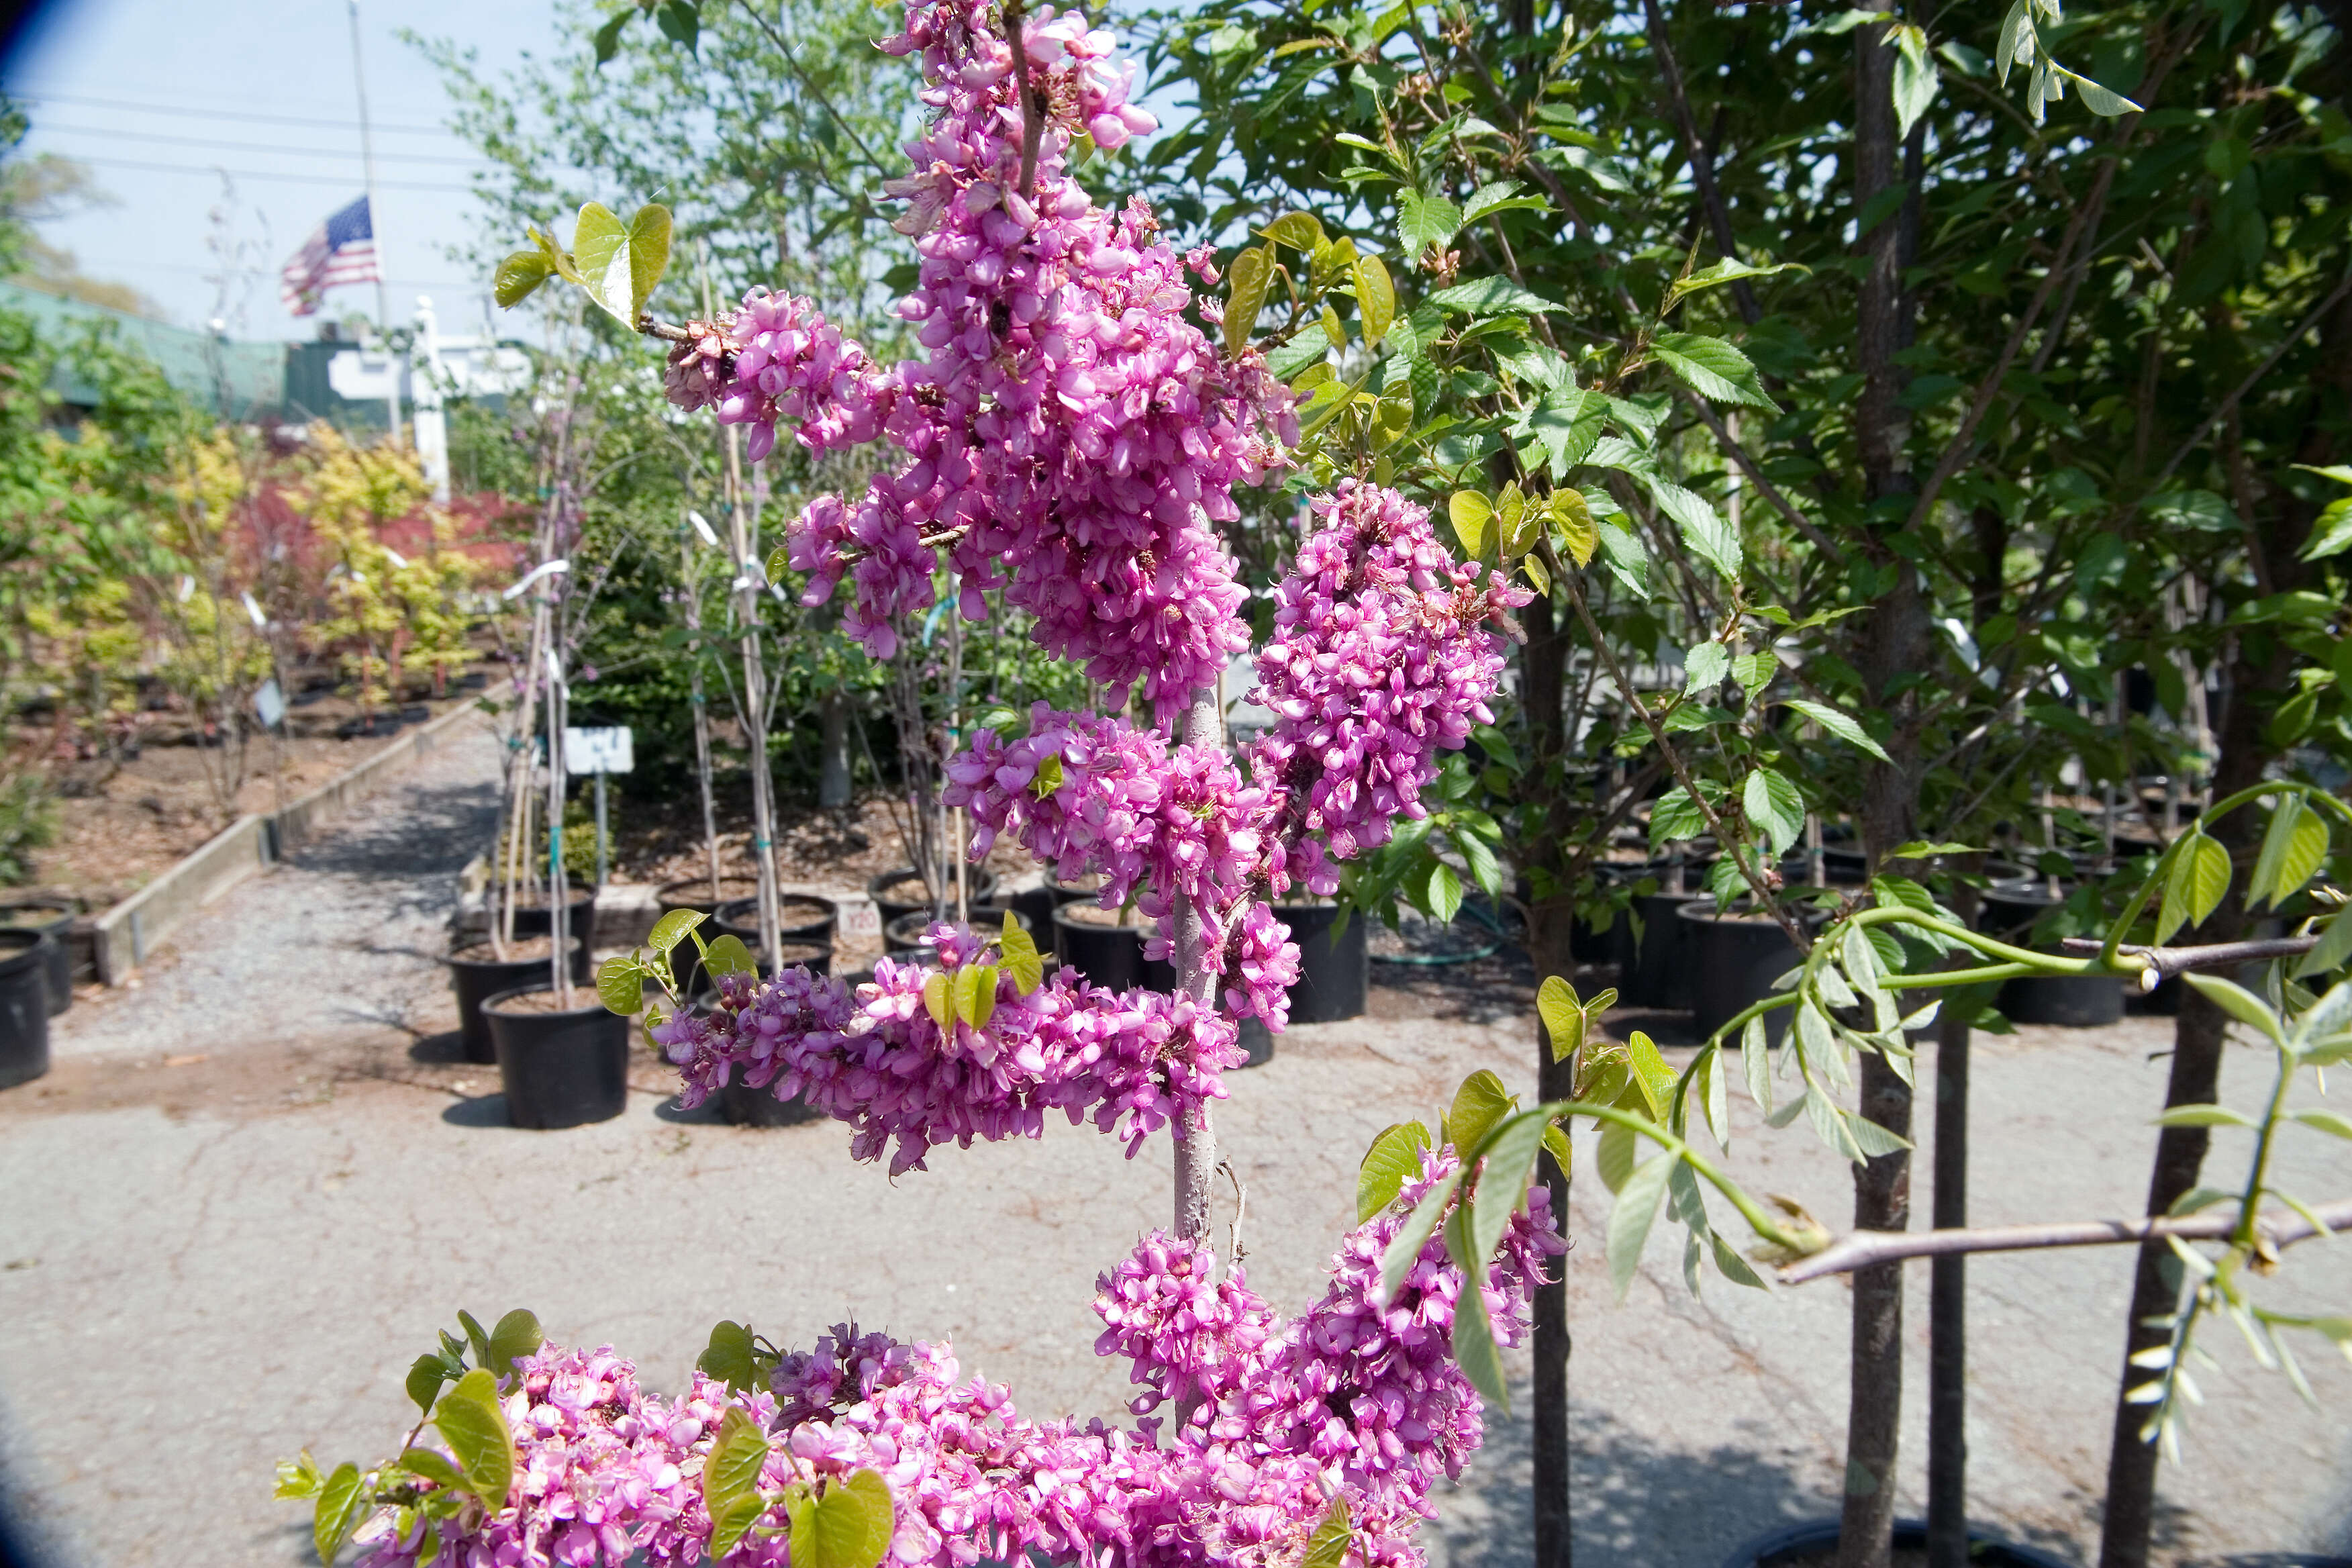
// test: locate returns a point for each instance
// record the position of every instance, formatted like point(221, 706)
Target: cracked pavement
point(211, 1264)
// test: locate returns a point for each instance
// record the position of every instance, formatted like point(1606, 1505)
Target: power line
point(216, 113)
point(250, 146)
point(260, 174)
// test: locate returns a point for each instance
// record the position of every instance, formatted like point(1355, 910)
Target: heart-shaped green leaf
point(671, 929)
point(519, 276)
point(620, 263)
point(730, 1480)
point(1562, 1016)
point(621, 985)
point(728, 955)
point(515, 1336)
point(1478, 1104)
point(1375, 297)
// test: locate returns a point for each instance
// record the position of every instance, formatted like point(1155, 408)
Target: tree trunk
point(1894, 643)
point(1550, 920)
point(2196, 1073)
point(833, 784)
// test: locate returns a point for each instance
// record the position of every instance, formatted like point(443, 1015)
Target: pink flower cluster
point(1133, 1062)
point(1069, 435)
point(1381, 657)
point(1357, 1400)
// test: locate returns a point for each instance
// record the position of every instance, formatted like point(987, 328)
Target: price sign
point(601, 751)
point(268, 704)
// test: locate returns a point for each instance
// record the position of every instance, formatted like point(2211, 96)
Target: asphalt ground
point(253, 1187)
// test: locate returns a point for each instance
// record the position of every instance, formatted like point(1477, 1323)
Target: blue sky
point(263, 89)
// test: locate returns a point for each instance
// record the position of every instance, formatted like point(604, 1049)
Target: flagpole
point(375, 225)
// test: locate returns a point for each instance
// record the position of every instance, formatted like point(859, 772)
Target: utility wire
point(252, 146)
point(214, 113)
point(260, 175)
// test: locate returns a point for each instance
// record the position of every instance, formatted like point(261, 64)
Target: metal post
point(375, 224)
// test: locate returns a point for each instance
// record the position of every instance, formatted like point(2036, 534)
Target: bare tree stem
point(1865, 1248)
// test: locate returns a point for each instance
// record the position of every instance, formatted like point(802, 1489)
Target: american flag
point(341, 251)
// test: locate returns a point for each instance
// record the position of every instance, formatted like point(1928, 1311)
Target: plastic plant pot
point(906, 930)
point(800, 917)
point(532, 920)
point(1110, 956)
point(2067, 1001)
point(1734, 957)
point(54, 919)
point(476, 973)
point(900, 892)
point(1814, 1541)
point(1335, 968)
point(1256, 1042)
point(1652, 970)
point(559, 1068)
point(24, 1004)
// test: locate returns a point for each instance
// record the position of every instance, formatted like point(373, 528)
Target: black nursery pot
point(900, 892)
point(800, 917)
point(908, 931)
point(744, 1106)
point(1732, 959)
point(1335, 968)
point(580, 919)
point(54, 919)
point(1109, 956)
point(1256, 1042)
point(561, 1069)
point(1652, 970)
point(476, 980)
point(1808, 1539)
point(2071, 1001)
point(24, 1005)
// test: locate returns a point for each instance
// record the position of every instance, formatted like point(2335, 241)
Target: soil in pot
point(24, 1005)
point(694, 893)
point(901, 892)
point(1334, 965)
point(908, 931)
point(1734, 957)
point(560, 1067)
point(2072, 1001)
point(476, 973)
point(1652, 972)
point(1091, 940)
point(1084, 887)
point(54, 919)
point(800, 917)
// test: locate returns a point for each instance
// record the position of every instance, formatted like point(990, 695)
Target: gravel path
point(211, 1265)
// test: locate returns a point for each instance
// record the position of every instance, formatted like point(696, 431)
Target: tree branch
point(1866, 1247)
point(2167, 961)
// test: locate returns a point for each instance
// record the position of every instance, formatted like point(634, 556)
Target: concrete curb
point(122, 937)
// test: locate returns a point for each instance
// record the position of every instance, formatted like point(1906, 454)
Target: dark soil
point(538, 947)
point(1087, 914)
point(584, 999)
point(124, 818)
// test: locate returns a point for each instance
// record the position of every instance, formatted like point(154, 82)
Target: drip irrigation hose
point(1444, 960)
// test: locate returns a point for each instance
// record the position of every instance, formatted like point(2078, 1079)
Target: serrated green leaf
point(1245, 287)
point(1712, 368)
point(680, 22)
point(1491, 296)
point(1651, 1076)
point(1838, 724)
point(606, 42)
point(1731, 1265)
point(1915, 78)
point(1393, 1160)
point(1755, 1061)
point(1774, 807)
point(1702, 529)
point(1567, 424)
point(1629, 1220)
point(1424, 220)
point(730, 1479)
point(2099, 99)
point(621, 985)
point(2294, 847)
point(671, 929)
point(337, 1513)
point(1443, 896)
point(470, 1421)
point(1703, 667)
point(2334, 947)
point(2209, 879)
point(1725, 271)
